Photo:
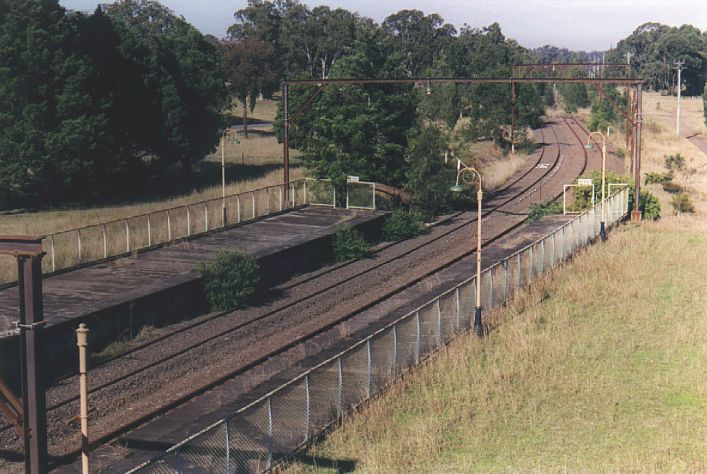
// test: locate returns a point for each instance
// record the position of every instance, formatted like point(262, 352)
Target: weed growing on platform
point(401, 224)
point(229, 279)
point(348, 244)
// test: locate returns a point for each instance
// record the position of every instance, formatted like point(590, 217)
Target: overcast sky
point(574, 24)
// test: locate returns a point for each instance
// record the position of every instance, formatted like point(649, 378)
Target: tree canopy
point(654, 48)
point(97, 102)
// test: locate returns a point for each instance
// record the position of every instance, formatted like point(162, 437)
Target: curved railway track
point(508, 200)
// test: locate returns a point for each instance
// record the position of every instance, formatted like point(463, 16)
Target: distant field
point(602, 367)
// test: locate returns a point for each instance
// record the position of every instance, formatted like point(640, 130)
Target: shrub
point(229, 279)
point(674, 163)
point(620, 154)
point(348, 244)
point(658, 178)
point(682, 203)
point(402, 224)
point(541, 209)
point(650, 206)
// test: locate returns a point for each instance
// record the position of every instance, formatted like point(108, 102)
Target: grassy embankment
point(602, 366)
point(261, 166)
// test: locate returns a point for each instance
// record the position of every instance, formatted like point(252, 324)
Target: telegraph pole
point(678, 67)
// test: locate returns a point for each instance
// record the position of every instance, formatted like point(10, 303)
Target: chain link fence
point(256, 437)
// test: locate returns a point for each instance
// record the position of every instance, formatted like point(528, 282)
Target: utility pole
point(678, 67)
point(628, 62)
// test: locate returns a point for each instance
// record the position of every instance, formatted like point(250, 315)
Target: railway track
point(509, 201)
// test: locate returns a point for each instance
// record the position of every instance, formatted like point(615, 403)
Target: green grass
point(601, 367)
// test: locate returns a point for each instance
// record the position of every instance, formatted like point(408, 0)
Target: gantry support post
point(28, 251)
point(286, 137)
point(636, 213)
point(513, 117)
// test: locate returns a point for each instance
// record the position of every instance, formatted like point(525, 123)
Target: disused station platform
point(116, 298)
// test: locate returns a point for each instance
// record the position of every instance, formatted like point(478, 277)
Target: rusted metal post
point(636, 213)
point(513, 117)
point(286, 134)
point(82, 343)
point(28, 251)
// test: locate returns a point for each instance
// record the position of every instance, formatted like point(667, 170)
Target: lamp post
point(225, 134)
point(467, 175)
point(602, 228)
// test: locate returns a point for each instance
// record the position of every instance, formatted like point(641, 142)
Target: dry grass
point(600, 367)
point(660, 140)
point(45, 222)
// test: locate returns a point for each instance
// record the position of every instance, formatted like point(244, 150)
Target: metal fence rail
point(73, 247)
point(255, 437)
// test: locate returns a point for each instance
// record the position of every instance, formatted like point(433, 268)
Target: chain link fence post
point(340, 400)
point(368, 369)
point(439, 323)
point(228, 445)
point(270, 437)
point(308, 408)
point(417, 337)
point(395, 351)
point(457, 323)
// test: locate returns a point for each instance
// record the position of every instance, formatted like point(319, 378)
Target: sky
point(590, 25)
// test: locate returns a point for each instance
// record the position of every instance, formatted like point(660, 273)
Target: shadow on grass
point(338, 465)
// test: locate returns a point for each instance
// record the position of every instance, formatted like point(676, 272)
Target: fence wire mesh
point(360, 195)
point(277, 424)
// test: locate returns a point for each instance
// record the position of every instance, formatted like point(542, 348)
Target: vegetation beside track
point(601, 366)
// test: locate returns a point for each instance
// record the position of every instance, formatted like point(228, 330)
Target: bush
point(620, 154)
point(650, 206)
point(348, 244)
point(682, 203)
point(658, 178)
point(402, 224)
point(542, 209)
point(674, 163)
point(229, 279)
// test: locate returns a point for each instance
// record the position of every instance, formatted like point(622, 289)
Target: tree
point(603, 113)
point(575, 95)
point(53, 141)
point(249, 72)
point(427, 179)
point(359, 130)
point(416, 40)
point(654, 48)
point(188, 72)
point(262, 20)
point(317, 38)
